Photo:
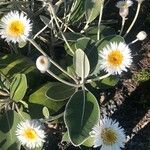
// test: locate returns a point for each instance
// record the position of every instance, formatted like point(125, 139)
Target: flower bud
point(124, 7)
point(141, 36)
point(42, 63)
point(123, 12)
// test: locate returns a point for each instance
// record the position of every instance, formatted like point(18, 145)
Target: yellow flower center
point(16, 28)
point(108, 136)
point(115, 58)
point(30, 134)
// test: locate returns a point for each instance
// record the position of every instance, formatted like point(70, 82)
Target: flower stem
point(55, 18)
point(134, 41)
point(98, 78)
point(86, 26)
point(40, 31)
point(99, 21)
point(122, 26)
point(67, 17)
point(53, 62)
point(61, 80)
point(65, 25)
point(134, 20)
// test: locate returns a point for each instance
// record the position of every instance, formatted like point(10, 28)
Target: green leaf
point(18, 87)
point(110, 81)
point(46, 21)
point(71, 71)
point(90, 49)
point(104, 31)
point(81, 63)
point(60, 92)
point(92, 9)
point(70, 36)
point(65, 137)
point(8, 126)
point(46, 112)
point(39, 98)
point(22, 44)
point(78, 11)
point(89, 142)
point(81, 114)
point(105, 41)
point(72, 45)
point(106, 83)
point(4, 82)
point(13, 64)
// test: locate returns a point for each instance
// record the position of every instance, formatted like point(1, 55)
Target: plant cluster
point(95, 55)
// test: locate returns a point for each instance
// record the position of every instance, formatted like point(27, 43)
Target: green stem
point(134, 20)
point(99, 21)
point(98, 78)
point(61, 80)
point(53, 62)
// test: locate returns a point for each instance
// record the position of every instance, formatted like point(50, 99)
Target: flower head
point(124, 7)
point(115, 58)
point(124, 4)
point(15, 27)
point(108, 134)
point(30, 134)
point(42, 63)
point(123, 12)
point(141, 35)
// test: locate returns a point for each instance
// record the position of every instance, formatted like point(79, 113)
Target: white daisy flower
point(30, 134)
point(124, 4)
point(115, 58)
point(15, 27)
point(42, 63)
point(108, 135)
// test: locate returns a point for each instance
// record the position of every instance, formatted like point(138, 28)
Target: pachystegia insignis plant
point(96, 55)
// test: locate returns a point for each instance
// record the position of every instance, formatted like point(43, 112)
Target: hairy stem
point(64, 38)
point(98, 78)
point(99, 21)
point(122, 26)
point(61, 80)
point(53, 62)
point(134, 20)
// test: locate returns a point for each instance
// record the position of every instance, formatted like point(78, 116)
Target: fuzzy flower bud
point(124, 7)
point(123, 12)
point(141, 36)
point(42, 63)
